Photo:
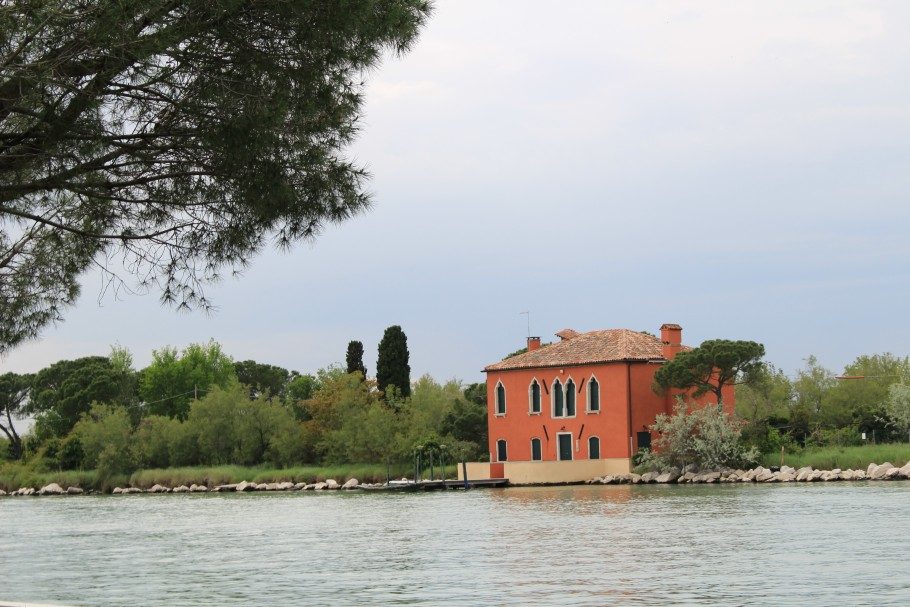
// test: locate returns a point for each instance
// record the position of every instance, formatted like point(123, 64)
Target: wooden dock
point(439, 485)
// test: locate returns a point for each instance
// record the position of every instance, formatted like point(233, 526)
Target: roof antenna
point(528, 314)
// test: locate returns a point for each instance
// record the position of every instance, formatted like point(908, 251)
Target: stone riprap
point(876, 472)
point(245, 486)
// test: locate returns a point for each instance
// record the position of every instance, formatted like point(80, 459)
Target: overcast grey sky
point(739, 168)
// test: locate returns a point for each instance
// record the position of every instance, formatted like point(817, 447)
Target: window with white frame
point(534, 397)
point(570, 398)
point(501, 453)
point(536, 450)
point(558, 398)
point(593, 395)
point(593, 448)
point(500, 399)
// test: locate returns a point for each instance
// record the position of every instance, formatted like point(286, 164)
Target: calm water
point(821, 544)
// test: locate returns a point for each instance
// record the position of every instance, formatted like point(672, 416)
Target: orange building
point(587, 397)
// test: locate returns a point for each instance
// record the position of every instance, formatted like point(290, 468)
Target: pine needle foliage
point(168, 142)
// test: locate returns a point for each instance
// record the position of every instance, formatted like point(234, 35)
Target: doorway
point(644, 440)
point(565, 446)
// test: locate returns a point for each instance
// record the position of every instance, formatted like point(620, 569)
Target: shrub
point(707, 437)
point(71, 453)
point(104, 433)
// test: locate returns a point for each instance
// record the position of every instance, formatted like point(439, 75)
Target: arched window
point(534, 397)
point(501, 454)
point(593, 448)
point(559, 409)
point(500, 399)
point(593, 395)
point(570, 398)
point(535, 450)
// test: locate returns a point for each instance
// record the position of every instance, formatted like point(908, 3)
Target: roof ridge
point(590, 347)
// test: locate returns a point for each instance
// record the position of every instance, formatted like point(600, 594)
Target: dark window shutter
point(570, 398)
point(500, 399)
point(501, 455)
point(594, 392)
point(593, 448)
point(535, 449)
point(558, 409)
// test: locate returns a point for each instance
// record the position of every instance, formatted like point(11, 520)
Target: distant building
point(579, 407)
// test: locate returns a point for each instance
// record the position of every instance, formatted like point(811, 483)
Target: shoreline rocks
point(786, 474)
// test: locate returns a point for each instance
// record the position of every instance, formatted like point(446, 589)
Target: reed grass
point(16, 475)
point(828, 458)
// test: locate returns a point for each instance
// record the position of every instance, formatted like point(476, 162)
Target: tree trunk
point(15, 441)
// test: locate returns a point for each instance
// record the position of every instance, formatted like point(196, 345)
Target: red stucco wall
point(612, 424)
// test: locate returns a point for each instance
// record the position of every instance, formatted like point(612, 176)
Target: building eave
point(487, 369)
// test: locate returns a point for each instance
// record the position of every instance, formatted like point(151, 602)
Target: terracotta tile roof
point(567, 334)
point(587, 348)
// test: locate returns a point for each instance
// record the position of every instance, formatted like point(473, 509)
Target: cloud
point(739, 168)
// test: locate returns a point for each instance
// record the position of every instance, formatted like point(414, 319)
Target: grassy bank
point(13, 476)
point(827, 458)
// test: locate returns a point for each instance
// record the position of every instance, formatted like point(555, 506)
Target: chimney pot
point(671, 339)
point(533, 343)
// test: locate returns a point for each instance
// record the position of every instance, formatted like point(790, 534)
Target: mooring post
point(464, 473)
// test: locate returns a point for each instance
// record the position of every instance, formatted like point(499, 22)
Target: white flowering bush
point(707, 437)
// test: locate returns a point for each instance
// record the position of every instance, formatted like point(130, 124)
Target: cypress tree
point(354, 358)
point(392, 368)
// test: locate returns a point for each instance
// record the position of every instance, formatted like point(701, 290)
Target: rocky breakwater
point(786, 474)
point(243, 487)
point(51, 489)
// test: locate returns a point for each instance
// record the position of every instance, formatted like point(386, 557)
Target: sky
point(741, 169)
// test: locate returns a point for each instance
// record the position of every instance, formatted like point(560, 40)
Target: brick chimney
point(533, 343)
point(671, 338)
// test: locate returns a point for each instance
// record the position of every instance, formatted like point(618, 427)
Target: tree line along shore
point(99, 421)
point(197, 416)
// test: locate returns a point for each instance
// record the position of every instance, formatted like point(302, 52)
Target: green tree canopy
point(711, 366)
point(66, 389)
point(477, 393)
point(302, 387)
point(392, 368)
point(354, 358)
point(105, 435)
point(173, 379)
point(898, 406)
point(466, 421)
point(263, 379)
point(861, 397)
point(178, 138)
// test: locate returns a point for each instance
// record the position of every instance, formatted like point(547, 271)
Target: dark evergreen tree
point(354, 358)
point(177, 138)
point(66, 389)
point(392, 368)
point(263, 379)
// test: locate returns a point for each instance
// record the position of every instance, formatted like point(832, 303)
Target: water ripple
point(821, 544)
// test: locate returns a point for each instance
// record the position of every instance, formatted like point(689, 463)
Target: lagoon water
point(819, 544)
